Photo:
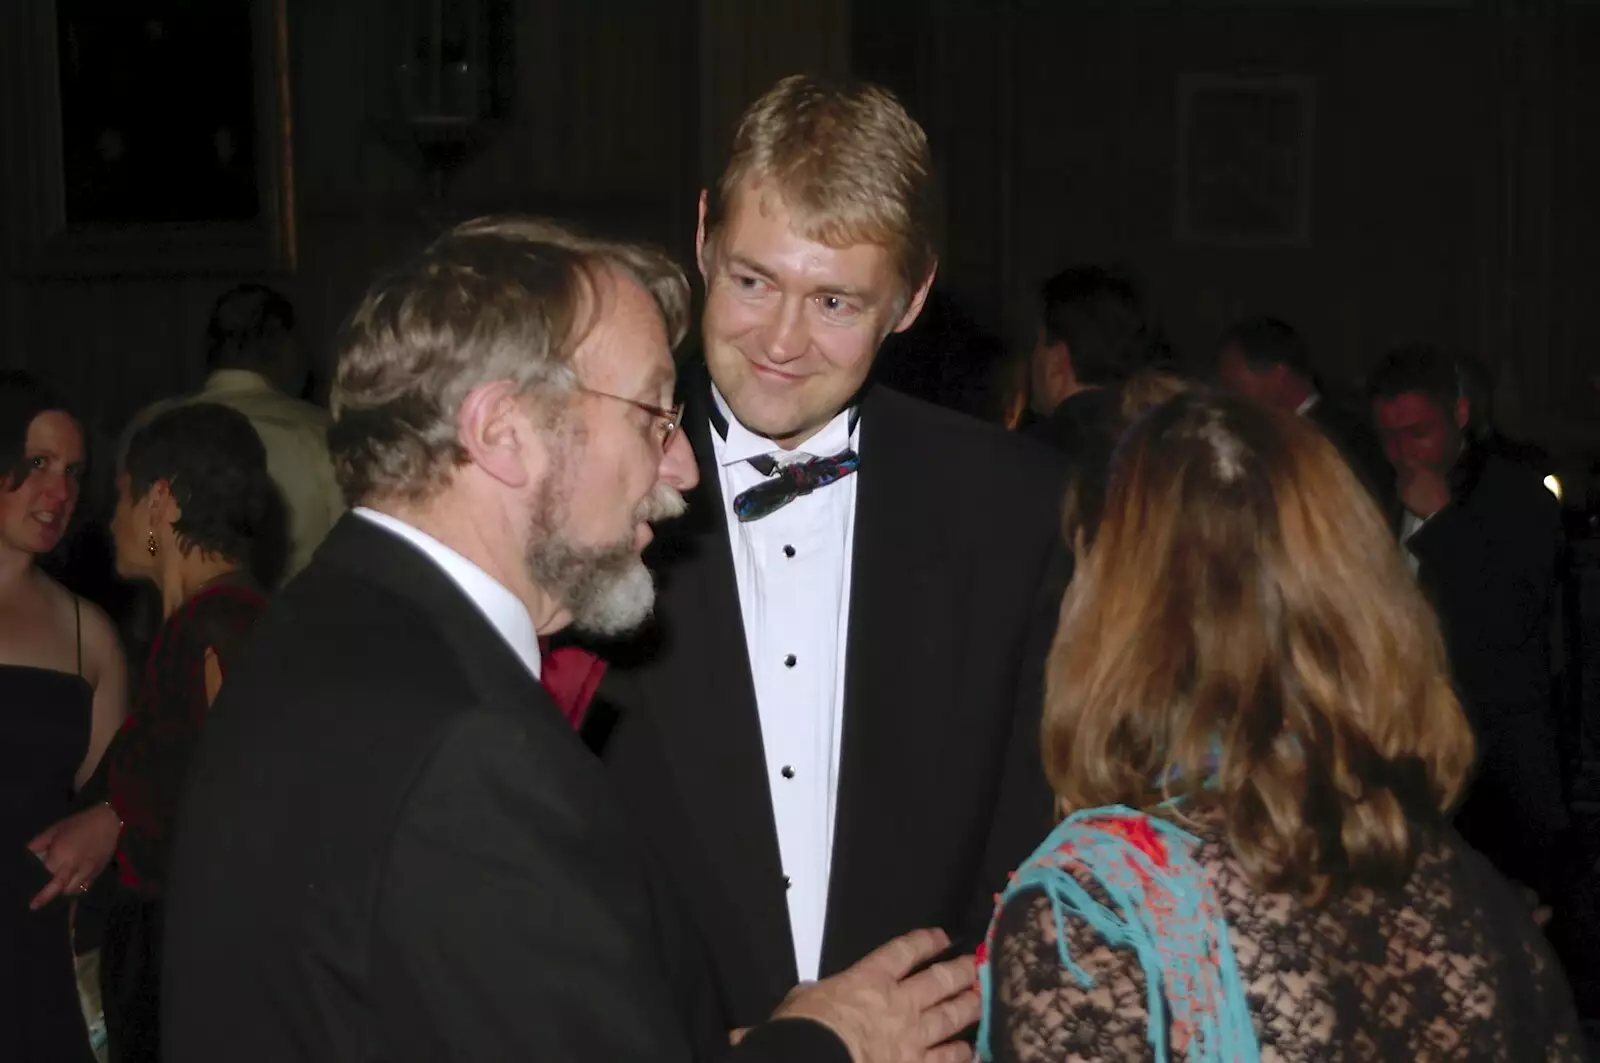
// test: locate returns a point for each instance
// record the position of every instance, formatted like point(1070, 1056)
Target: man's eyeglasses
point(668, 422)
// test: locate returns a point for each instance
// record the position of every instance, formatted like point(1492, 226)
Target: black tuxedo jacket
point(395, 848)
point(1489, 562)
point(956, 585)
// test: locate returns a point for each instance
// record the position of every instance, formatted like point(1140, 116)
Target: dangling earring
point(150, 543)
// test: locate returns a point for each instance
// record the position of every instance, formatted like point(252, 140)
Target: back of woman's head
point(1148, 389)
point(1244, 635)
point(23, 397)
point(216, 468)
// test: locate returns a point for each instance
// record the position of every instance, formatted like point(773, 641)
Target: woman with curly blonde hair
point(1250, 727)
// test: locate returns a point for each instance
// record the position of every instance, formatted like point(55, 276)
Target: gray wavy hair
point(501, 298)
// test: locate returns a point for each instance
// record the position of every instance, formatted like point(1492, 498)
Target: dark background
point(1454, 164)
point(157, 111)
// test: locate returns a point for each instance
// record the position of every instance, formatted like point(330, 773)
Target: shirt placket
point(791, 552)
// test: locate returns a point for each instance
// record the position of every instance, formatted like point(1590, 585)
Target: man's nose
point(786, 338)
point(678, 467)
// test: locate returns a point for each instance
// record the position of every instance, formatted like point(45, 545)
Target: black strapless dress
point(44, 736)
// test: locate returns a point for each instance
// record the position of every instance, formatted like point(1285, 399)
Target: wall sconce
point(440, 78)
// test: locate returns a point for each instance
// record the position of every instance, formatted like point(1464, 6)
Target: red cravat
point(571, 676)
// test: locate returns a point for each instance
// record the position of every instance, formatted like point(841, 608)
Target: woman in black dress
point(197, 516)
point(62, 697)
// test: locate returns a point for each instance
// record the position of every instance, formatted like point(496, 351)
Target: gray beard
point(606, 587)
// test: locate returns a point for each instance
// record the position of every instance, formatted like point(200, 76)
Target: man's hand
point(1423, 491)
point(883, 1016)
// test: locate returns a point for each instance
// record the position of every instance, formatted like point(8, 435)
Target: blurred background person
point(62, 697)
point(1093, 334)
point(1483, 430)
point(1265, 359)
point(1485, 539)
point(197, 512)
point(1086, 492)
point(1251, 726)
point(257, 368)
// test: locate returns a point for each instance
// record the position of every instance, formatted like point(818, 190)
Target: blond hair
point(1245, 636)
point(492, 299)
point(1147, 389)
point(848, 162)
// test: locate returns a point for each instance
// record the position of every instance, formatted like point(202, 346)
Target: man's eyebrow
point(751, 266)
point(844, 290)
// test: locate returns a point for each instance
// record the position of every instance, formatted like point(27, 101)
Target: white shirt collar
point(742, 444)
point(1306, 404)
point(504, 610)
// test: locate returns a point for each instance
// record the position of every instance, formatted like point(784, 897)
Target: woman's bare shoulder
point(102, 646)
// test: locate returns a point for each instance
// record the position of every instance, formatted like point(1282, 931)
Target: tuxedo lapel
point(902, 580)
point(710, 726)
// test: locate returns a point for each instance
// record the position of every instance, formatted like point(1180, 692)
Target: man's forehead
point(627, 346)
point(631, 370)
point(618, 301)
point(760, 204)
point(1407, 408)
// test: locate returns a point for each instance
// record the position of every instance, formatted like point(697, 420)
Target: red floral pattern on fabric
point(1137, 832)
point(1431, 969)
point(1175, 903)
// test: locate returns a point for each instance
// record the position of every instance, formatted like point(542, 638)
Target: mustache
point(662, 503)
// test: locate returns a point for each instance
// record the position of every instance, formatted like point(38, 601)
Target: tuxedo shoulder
point(959, 440)
point(350, 635)
point(1515, 489)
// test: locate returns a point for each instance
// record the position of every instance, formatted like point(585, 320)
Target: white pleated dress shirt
point(793, 572)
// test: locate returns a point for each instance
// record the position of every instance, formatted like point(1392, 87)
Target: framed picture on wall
point(162, 133)
point(1244, 160)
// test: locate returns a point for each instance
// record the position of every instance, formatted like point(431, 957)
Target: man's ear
point(918, 298)
point(496, 429)
point(700, 238)
point(1463, 412)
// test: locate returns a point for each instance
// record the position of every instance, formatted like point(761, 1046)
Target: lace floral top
point(1448, 969)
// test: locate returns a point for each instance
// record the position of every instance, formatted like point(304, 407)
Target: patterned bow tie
point(792, 481)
